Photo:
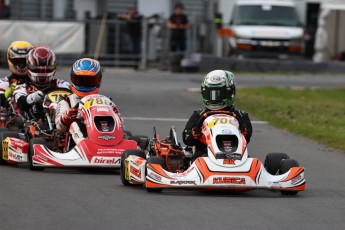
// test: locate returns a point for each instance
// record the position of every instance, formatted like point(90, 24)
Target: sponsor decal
point(15, 156)
point(19, 143)
point(296, 179)
point(228, 161)
point(100, 109)
point(106, 160)
point(234, 156)
point(109, 151)
point(183, 182)
point(176, 175)
point(106, 138)
point(155, 176)
point(276, 184)
point(41, 157)
point(136, 172)
point(229, 180)
point(226, 131)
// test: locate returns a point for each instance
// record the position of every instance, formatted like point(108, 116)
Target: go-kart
point(102, 148)
point(19, 133)
point(168, 152)
point(227, 165)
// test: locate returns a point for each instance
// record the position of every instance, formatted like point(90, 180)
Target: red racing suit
point(75, 127)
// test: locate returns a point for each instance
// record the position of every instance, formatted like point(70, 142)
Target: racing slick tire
point(285, 166)
point(128, 133)
point(127, 153)
point(273, 162)
point(32, 142)
point(161, 162)
point(3, 136)
point(142, 141)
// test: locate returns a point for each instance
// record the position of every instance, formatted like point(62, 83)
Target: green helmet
point(218, 89)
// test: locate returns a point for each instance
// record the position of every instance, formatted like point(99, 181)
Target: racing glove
point(34, 97)
point(69, 116)
point(196, 133)
point(10, 90)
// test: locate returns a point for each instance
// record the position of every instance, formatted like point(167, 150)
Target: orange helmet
point(16, 57)
point(86, 76)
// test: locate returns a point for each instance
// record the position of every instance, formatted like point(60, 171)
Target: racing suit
point(68, 122)
point(29, 98)
point(192, 135)
point(7, 86)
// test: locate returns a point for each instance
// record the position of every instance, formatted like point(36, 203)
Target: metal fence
point(108, 41)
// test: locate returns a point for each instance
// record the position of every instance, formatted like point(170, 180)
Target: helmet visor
point(19, 62)
point(86, 81)
point(214, 94)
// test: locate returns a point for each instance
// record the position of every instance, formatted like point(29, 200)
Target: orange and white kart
point(226, 166)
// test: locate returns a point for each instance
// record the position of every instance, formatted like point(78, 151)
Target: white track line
point(176, 119)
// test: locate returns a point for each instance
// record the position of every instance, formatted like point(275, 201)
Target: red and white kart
point(102, 148)
point(226, 166)
point(103, 145)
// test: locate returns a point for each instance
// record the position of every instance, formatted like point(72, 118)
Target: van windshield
point(266, 15)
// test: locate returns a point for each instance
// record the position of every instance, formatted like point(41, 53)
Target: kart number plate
point(96, 101)
point(221, 121)
point(5, 149)
point(55, 96)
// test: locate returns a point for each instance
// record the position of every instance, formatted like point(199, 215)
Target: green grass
point(316, 114)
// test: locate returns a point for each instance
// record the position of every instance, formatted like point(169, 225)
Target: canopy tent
point(330, 34)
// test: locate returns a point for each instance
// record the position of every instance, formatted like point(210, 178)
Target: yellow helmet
point(16, 57)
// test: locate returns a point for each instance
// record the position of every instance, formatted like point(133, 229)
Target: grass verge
point(316, 114)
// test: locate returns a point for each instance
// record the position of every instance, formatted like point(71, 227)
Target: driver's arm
point(61, 109)
point(23, 100)
point(245, 124)
point(187, 134)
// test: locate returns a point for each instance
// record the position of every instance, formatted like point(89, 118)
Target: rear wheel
point(3, 135)
point(273, 162)
point(285, 166)
point(161, 162)
point(125, 155)
point(32, 142)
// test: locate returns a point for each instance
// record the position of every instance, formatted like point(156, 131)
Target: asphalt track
point(77, 199)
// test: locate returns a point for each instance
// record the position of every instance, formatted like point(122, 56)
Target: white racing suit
point(7, 82)
point(76, 129)
point(23, 94)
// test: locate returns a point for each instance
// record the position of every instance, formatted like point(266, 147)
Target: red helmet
point(41, 63)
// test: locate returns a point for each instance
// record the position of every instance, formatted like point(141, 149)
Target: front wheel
point(273, 162)
point(161, 162)
point(32, 142)
point(285, 166)
point(125, 155)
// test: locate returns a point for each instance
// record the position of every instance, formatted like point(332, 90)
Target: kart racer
point(218, 91)
point(86, 76)
point(17, 53)
point(41, 64)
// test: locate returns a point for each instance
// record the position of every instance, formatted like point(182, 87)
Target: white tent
point(330, 34)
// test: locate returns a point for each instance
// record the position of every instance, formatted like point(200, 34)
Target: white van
point(266, 28)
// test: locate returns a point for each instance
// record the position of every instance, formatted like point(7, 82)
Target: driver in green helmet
point(218, 91)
